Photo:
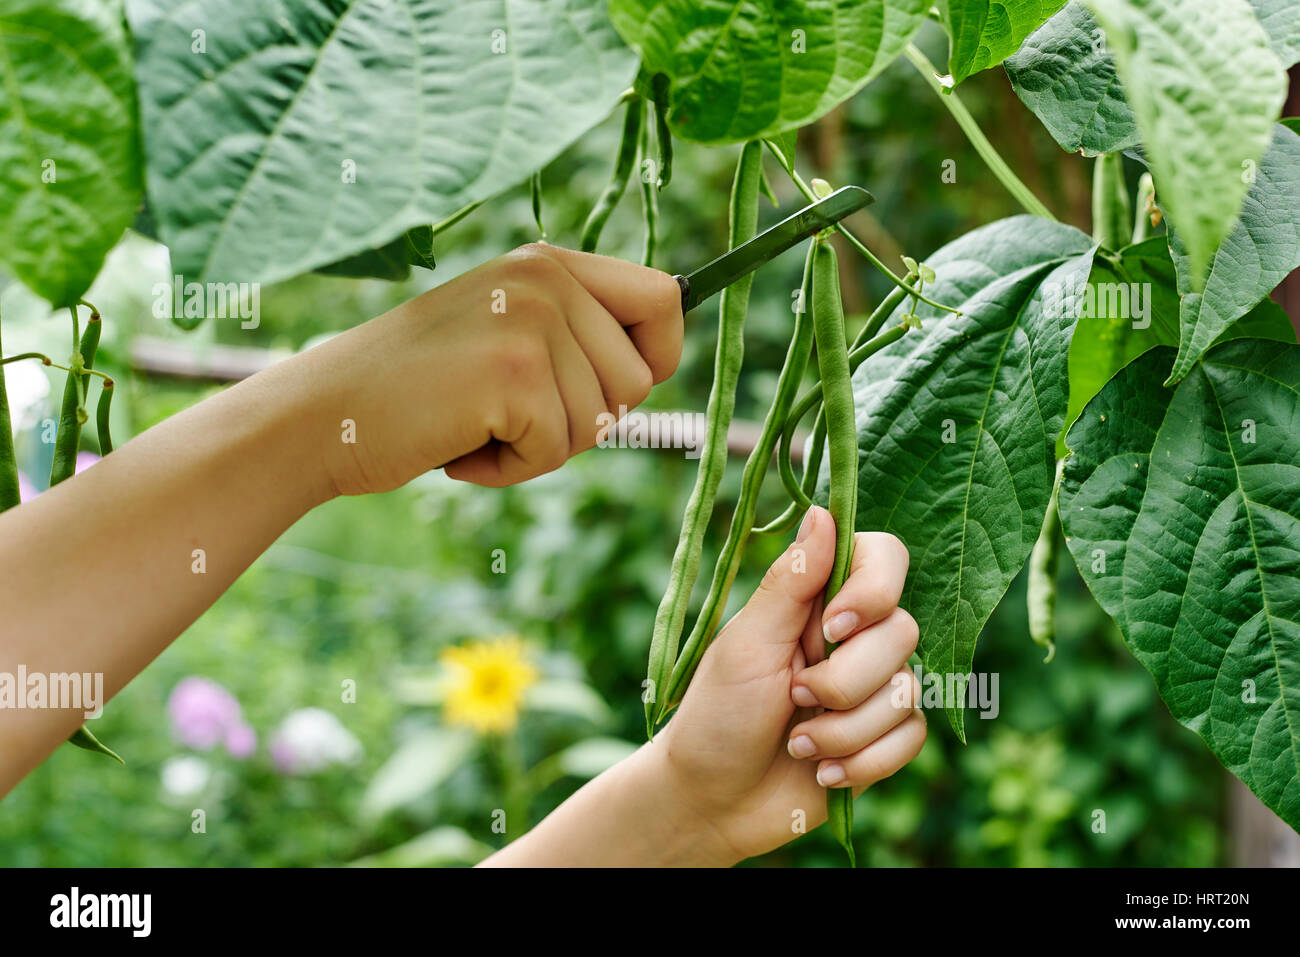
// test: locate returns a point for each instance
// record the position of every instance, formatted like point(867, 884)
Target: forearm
point(626, 817)
point(103, 571)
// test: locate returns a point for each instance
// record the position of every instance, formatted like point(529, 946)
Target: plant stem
point(454, 218)
point(9, 493)
point(854, 241)
point(971, 128)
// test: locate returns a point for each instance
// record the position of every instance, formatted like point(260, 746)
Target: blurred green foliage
point(368, 588)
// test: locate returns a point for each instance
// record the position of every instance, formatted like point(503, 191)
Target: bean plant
point(1130, 394)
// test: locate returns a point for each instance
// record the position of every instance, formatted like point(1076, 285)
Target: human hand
point(501, 374)
point(750, 745)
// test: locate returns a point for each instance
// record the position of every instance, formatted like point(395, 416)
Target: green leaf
point(86, 740)
point(1182, 510)
point(593, 756)
point(416, 769)
point(1262, 250)
point(392, 261)
point(985, 32)
point(252, 143)
point(743, 69)
point(1131, 309)
point(956, 425)
point(1292, 123)
point(67, 142)
point(1126, 311)
point(1281, 21)
point(1205, 89)
point(561, 696)
point(440, 847)
point(1065, 75)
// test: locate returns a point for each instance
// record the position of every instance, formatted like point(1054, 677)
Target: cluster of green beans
point(732, 306)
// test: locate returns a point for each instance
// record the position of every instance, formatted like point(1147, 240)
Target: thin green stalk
point(856, 243)
point(73, 412)
point(454, 218)
point(971, 128)
point(9, 493)
point(649, 202)
point(535, 191)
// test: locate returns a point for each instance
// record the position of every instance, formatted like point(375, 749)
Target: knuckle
point(532, 263)
point(523, 359)
point(640, 382)
point(831, 693)
point(906, 632)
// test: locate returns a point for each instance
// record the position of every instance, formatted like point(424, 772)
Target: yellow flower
point(486, 681)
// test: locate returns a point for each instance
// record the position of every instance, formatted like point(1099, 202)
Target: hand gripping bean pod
point(732, 305)
point(742, 519)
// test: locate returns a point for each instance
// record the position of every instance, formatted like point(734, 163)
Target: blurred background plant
point(335, 647)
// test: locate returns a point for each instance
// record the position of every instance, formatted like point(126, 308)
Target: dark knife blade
point(769, 244)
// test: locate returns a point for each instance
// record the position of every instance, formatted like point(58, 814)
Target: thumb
point(779, 609)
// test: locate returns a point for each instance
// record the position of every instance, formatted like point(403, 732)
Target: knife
point(769, 244)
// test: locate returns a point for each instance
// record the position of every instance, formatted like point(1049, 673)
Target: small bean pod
point(633, 118)
point(1041, 583)
point(73, 413)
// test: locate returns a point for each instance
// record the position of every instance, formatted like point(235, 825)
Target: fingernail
point(803, 697)
point(830, 775)
point(841, 626)
point(801, 746)
point(809, 520)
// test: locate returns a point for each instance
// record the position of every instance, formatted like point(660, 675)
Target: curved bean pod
point(613, 192)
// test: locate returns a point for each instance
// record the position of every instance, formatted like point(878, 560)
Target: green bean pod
point(880, 314)
point(633, 118)
point(535, 193)
point(663, 136)
point(1111, 216)
point(1041, 583)
point(842, 445)
point(9, 493)
point(732, 306)
point(1146, 206)
point(71, 415)
point(102, 418)
point(649, 202)
point(742, 519)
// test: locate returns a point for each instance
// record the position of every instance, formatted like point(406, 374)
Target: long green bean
point(535, 194)
point(1041, 581)
point(633, 118)
point(649, 201)
point(663, 136)
point(732, 306)
point(842, 443)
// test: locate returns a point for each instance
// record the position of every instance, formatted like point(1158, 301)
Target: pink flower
point(26, 490)
point(204, 715)
point(241, 740)
point(85, 460)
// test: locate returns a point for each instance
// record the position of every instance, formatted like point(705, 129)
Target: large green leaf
point(1262, 250)
point(431, 105)
point(1133, 306)
point(985, 32)
point(1281, 21)
point(1205, 89)
point(956, 425)
point(742, 69)
point(68, 149)
point(1182, 510)
point(1065, 74)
